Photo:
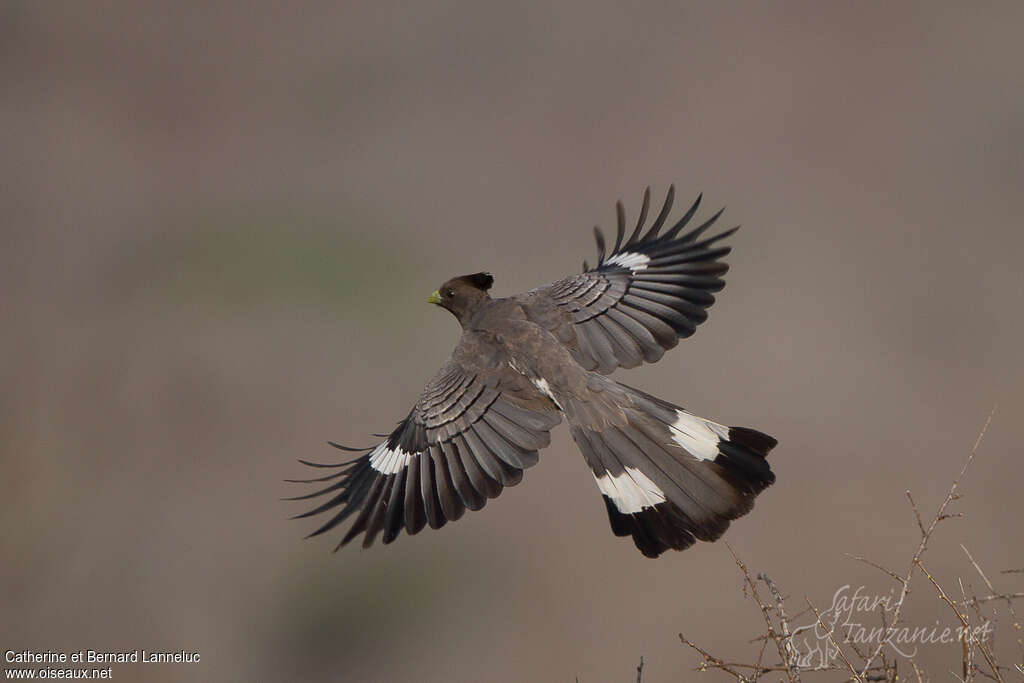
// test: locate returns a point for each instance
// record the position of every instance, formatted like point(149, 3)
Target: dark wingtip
point(620, 225)
point(696, 232)
point(599, 237)
point(315, 479)
point(309, 463)
point(705, 243)
point(645, 206)
point(352, 533)
point(652, 233)
point(350, 449)
point(684, 221)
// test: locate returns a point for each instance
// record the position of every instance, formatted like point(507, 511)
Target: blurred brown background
point(221, 225)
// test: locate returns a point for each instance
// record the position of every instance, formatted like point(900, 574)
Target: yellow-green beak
point(434, 298)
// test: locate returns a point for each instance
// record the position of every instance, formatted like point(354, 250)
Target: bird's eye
point(451, 292)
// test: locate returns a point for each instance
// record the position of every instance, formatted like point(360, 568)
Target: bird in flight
point(524, 362)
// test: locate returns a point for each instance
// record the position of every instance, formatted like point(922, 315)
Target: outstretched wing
point(475, 428)
point(652, 290)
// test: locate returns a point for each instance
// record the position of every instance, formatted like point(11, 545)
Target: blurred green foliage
point(277, 254)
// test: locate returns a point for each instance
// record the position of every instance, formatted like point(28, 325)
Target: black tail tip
point(744, 459)
point(759, 442)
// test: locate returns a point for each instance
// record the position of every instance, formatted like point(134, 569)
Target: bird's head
point(463, 295)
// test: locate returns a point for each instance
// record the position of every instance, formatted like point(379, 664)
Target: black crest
point(479, 280)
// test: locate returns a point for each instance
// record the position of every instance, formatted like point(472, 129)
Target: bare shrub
point(878, 662)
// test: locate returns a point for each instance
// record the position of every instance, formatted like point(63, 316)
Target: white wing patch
point(539, 382)
point(387, 461)
point(629, 259)
point(631, 491)
point(545, 388)
point(697, 436)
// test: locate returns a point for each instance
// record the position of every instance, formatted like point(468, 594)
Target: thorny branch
point(926, 535)
point(873, 665)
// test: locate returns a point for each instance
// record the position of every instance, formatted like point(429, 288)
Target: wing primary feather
point(375, 522)
point(333, 502)
point(672, 316)
point(395, 517)
point(350, 449)
point(599, 237)
point(688, 256)
point(451, 504)
point(682, 222)
point(428, 490)
point(415, 517)
point(620, 226)
point(696, 232)
point(690, 310)
point(644, 206)
point(321, 464)
point(341, 466)
point(314, 480)
point(699, 297)
point(684, 287)
point(334, 521)
point(333, 487)
point(662, 215)
point(705, 243)
point(370, 503)
point(695, 255)
point(585, 267)
point(672, 274)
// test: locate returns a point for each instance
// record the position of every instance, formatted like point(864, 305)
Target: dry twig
point(985, 652)
point(873, 665)
point(791, 670)
point(926, 535)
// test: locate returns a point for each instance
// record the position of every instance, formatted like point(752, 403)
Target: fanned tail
point(667, 476)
